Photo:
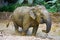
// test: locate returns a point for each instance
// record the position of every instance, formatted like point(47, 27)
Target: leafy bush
point(28, 1)
point(52, 9)
point(9, 8)
point(52, 6)
point(6, 8)
point(39, 2)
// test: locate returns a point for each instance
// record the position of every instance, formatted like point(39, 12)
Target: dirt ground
point(8, 33)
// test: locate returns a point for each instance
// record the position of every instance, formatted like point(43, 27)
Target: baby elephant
point(26, 17)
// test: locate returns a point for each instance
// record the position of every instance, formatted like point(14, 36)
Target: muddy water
point(54, 34)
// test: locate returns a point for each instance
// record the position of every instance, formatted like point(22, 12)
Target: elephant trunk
point(48, 25)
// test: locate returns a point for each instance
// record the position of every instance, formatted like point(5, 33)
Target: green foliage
point(9, 8)
point(52, 6)
point(28, 1)
point(39, 2)
point(58, 5)
point(52, 9)
point(20, 1)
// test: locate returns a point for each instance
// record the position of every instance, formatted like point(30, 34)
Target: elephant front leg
point(24, 32)
point(34, 30)
point(25, 29)
point(26, 23)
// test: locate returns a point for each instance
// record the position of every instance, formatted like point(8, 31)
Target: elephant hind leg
point(34, 30)
point(16, 27)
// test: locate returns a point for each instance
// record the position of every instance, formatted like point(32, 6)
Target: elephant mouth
point(42, 20)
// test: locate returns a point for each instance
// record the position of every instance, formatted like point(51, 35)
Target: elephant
point(26, 17)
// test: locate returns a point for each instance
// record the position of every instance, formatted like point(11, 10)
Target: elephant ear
point(32, 15)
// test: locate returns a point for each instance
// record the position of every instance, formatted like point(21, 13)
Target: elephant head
point(41, 15)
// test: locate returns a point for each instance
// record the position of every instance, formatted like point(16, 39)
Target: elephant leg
point(16, 27)
point(26, 23)
point(34, 30)
point(7, 25)
point(25, 29)
point(24, 32)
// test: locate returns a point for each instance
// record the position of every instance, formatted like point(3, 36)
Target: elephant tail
point(9, 19)
point(7, 24)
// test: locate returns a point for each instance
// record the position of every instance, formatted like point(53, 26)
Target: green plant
point(28, 1)
point(52, 9)
point(52, 6)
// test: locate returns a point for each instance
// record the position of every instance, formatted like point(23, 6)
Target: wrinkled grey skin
point(26, 17)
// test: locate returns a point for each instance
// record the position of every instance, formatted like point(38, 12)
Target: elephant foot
point(44, 31)
point(23, 34)
point(18, 34)
point(16, 31)
point(33, 34)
